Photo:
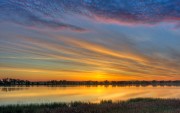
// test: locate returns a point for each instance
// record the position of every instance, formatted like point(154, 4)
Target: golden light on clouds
point(71, 58)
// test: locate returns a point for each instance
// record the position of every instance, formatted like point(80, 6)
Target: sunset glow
point(90, 40)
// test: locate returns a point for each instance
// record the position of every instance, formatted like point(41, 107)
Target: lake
point(46, 94)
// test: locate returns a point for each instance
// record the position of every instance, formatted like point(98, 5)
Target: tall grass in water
point(139, 105)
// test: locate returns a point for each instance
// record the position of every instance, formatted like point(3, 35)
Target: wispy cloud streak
point(67, 55)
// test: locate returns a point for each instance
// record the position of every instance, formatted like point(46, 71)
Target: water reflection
point(7, 89)
point(44, 94)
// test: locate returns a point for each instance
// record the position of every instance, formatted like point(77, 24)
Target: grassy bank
point(139, 105)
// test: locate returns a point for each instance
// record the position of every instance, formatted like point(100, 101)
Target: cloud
point(45, 13)
point(122, 60)
point(134, 12)
point(27, 13)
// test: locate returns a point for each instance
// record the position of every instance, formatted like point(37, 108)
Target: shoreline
point(18, 82)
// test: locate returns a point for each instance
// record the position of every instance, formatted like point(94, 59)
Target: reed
point(138, 105)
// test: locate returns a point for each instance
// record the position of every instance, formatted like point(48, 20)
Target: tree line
point(10, 81)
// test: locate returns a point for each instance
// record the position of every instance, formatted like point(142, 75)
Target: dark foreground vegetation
point(8, 81)
point(139, 105)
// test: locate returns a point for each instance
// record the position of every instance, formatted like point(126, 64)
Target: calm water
point(43, 94)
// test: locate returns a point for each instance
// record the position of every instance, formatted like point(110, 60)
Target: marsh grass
point(138, 105)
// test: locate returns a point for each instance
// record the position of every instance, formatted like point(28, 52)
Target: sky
point(90, 39)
